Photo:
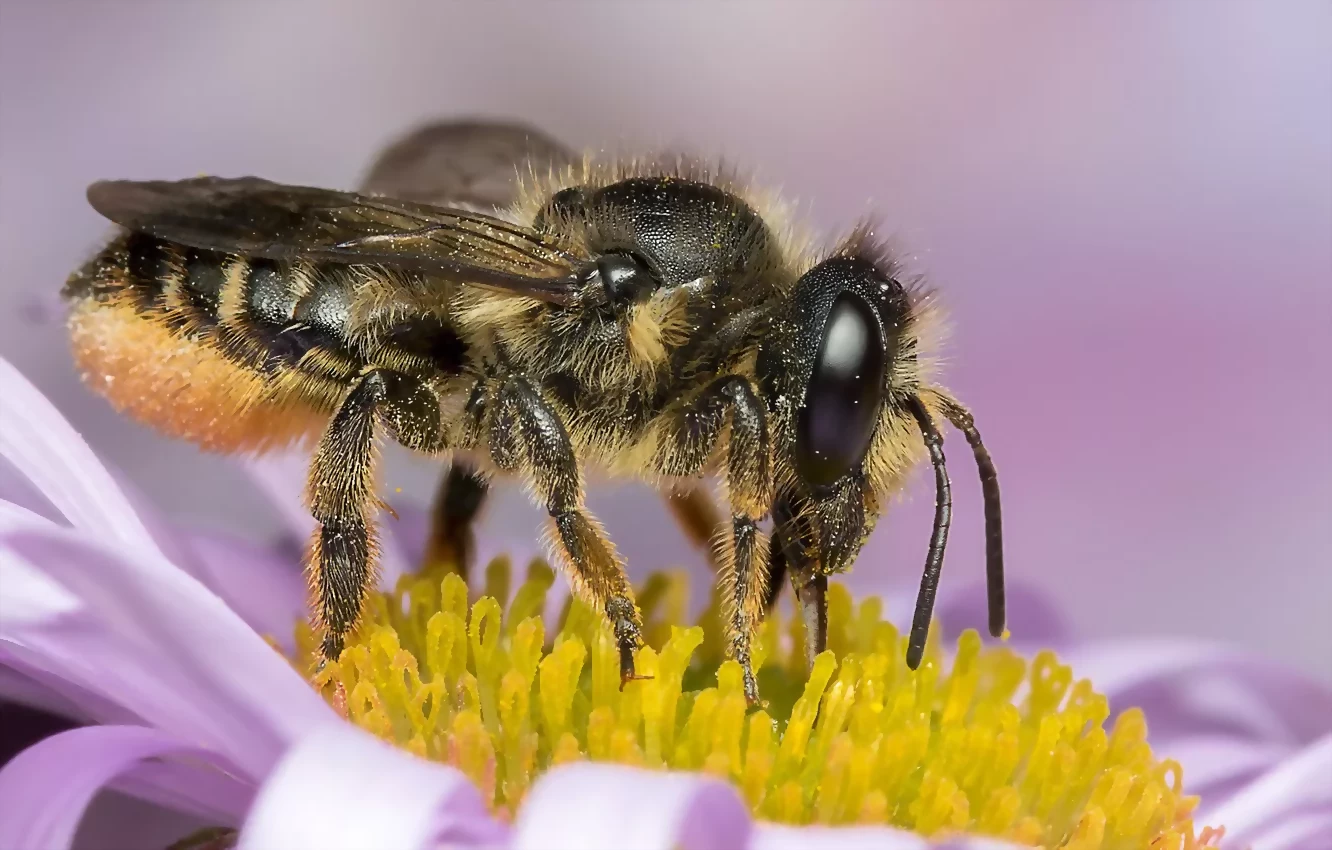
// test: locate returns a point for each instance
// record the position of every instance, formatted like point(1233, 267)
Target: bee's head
point(829, 369)
point(852, 414)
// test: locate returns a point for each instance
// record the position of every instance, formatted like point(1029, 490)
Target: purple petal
point(282, 477)
point(164, 533)
point(17, 490)
point(46, 789)
point(342, 788)
point(1300, 831)
point(1033, 617)
point(769, 836)
point(41, 305)
point(1189, 688)
point(586, 806)
point(155, 641)
point(263, 585)
point(1216, 766)
point(118, 821)
point(26, 680)
point(17, 686)
point(409, 531)
point(976, 842)
point(1299, 787)
point(45, 450)
point(208, 793)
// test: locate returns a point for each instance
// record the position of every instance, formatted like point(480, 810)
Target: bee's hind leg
point(451, 543)
point(527, 435)
point(341, 491)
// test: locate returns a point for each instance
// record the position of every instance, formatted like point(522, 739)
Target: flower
point(154, 642)
point(938, 749)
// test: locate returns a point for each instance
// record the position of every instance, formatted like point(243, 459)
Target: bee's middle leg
point(527, 435)
point(340, 491)
point(690, 435)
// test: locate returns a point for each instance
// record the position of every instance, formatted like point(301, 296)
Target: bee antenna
point(994, 525)
point(943, 516)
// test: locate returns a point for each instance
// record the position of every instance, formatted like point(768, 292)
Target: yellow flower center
point(947, 748)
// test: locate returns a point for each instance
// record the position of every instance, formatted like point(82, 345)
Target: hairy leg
point(340, 491)
point(810, 586)
point(687, 436)
point(527, 436)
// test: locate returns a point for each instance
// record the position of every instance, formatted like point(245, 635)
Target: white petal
point(769, 836)
point(264, 585)
point(46, 788)
point(28, 679)
point(1217, 765)
point(1301, 784)
point(37, 440)
point(342, 789)
point(1191, 687)
point(586, 806)
point(151, 639)
point(1299, 831)
point(779, 837)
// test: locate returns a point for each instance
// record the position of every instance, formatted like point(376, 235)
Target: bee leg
point(792, 550)
point(690, 436)
point(459, 500)
point(527, 435)
point(340, 491)
point(744, 582)
point(811, 590)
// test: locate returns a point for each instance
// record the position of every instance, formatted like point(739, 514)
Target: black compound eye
point(845, 391)
point(624, 277)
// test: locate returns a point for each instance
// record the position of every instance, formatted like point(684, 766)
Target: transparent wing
point(248, 215)
point(464, 164)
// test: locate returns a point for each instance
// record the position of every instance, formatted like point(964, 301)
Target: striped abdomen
point(226, 351)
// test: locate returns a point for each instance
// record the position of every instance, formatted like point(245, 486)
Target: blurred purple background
point(1126, 207)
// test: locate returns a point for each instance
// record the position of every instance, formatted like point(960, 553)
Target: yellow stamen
point(951, 747)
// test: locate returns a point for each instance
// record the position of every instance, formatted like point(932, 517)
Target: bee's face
point(828, 366)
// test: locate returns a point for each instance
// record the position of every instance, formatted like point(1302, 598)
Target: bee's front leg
point(340, 491)
point(526, 435)
point(687, 436)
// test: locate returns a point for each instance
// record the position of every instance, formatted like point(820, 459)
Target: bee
point(490, 298)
